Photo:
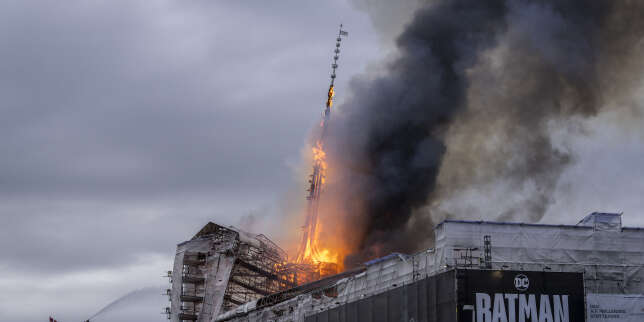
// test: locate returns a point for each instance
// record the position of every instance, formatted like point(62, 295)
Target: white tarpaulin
point(612, 261)
point(615, 308)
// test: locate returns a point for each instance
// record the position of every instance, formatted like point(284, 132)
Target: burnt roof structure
point(603, 259)
point(222, 267)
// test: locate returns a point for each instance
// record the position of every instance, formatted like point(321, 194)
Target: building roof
point(583, 224)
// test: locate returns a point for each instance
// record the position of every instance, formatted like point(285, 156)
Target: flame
point(318, 153)
point(315, 254)
point(318, 252)
point(329, 101)
point(327, 256)
point(319, 158)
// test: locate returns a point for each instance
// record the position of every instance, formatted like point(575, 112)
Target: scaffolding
point(223, 267)
point(258, 271)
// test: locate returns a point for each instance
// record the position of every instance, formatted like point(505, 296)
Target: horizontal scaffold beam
point(232, 300)
point(256, 269)
point(262, 272)
point(191, 298)
point(192, 279)
point(187, 317)
point(250, 287)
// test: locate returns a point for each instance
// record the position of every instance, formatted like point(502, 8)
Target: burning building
point(467, 106)
point(222, 267)
point(477, 272)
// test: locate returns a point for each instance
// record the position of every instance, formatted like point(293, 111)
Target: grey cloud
point(125, 125)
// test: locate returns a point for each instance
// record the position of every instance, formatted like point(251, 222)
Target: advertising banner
point(615, 308)
point(518, 296)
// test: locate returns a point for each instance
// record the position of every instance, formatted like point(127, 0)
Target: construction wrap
point(612, 261)
point(615, 307)
point(498, 267)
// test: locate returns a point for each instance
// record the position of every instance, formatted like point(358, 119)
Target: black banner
point(431, 299)
point(517, 296)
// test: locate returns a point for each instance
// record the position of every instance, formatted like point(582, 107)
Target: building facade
point(481, 272)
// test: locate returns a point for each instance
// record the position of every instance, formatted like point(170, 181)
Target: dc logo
point(521, 282)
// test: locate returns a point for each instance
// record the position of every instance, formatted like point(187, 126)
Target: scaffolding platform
point(223, 267)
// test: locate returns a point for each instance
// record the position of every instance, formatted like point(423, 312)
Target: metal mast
point(308, 248)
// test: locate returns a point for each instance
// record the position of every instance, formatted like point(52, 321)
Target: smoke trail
point(468, 109)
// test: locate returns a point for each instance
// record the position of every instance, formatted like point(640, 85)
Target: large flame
point(317, 250)
point(314, 253)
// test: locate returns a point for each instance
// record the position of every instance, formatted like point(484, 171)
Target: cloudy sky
point(126, 125)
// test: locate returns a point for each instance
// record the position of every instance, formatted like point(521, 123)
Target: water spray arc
point(308, 251)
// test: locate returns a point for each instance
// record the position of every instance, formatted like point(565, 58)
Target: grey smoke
point(389, 18)
point(470, 107)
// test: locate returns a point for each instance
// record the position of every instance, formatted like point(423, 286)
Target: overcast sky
point(126, 125)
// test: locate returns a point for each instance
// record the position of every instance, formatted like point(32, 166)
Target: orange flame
point(327, 259)
point(316, 255)
point(329, 101)
point(322, 251)
point(319, 158)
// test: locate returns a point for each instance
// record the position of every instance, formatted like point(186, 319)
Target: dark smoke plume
point(469, 106)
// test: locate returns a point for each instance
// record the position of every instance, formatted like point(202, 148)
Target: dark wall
point(432, 299)
point(443, 297)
